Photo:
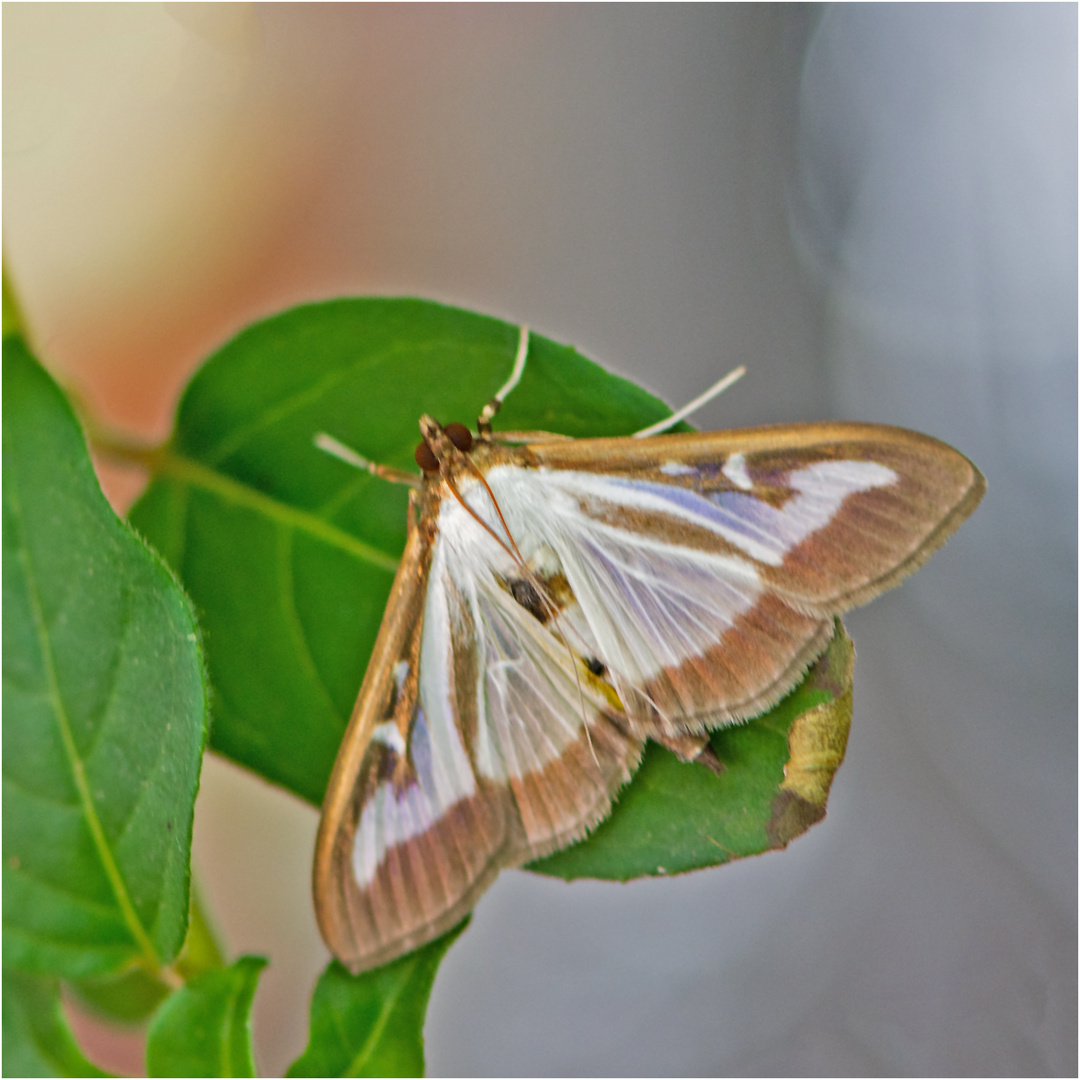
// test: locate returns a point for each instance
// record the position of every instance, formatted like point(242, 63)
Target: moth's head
point(440, 443)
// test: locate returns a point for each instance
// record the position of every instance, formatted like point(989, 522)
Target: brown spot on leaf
point(817, 741)
point(791, 817)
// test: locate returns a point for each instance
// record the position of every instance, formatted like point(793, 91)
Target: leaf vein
point(234, 491)
point(100, 720)
point(309, 395)
point(79, 900)
point(360, 1059)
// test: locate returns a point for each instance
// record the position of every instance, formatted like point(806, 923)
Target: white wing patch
point(532, 707)
point(395, 814)
point(735, 470)
point(651, 605)
point(387, 733)
point(642, 604)
point(530, 702)
point(764, 532)
point(676, 468)
point(392, 816)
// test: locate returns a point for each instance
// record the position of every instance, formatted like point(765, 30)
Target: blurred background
point(875, 209)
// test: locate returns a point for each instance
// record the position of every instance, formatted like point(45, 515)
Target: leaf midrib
point(362, 1056)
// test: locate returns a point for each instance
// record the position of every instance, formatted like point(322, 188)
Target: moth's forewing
point(876, 538)
point(797, 523)
point(537, 721)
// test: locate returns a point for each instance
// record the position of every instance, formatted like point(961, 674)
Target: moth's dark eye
point(595, 666)
point(426, 459)
point(460, 436)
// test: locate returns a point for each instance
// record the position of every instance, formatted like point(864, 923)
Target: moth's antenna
point(345, 453)
point(693, 406)
point(483, 424)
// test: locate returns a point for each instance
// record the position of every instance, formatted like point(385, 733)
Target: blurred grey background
point(874, 208)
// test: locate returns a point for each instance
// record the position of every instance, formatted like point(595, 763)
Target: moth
point(559, 602)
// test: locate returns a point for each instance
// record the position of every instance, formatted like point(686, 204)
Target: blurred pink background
point(874, 208)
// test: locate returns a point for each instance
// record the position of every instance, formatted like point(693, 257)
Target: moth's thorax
point(467, 478)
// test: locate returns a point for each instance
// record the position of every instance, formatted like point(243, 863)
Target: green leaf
point(204, 1029)
point(37, 1039)
point(289, 554)
point(676, 817)
point(373, 1024)
point(104, 709)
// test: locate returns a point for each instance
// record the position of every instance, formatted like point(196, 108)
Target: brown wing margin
point(882, 535)
point(421, 887)
point(397, 637)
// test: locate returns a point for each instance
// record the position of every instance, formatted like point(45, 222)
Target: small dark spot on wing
point(385, 763)
point(528, 596)
point(391, 702)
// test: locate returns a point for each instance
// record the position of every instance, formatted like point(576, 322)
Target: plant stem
point(202, 950)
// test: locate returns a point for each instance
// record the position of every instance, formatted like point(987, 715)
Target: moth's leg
point(385, 472)
point(693, 748)
point(483, 424)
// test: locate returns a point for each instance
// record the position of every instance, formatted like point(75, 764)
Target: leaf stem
point(13, 320)
point(202, 951)
point(161, 460)
point(121, 451)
